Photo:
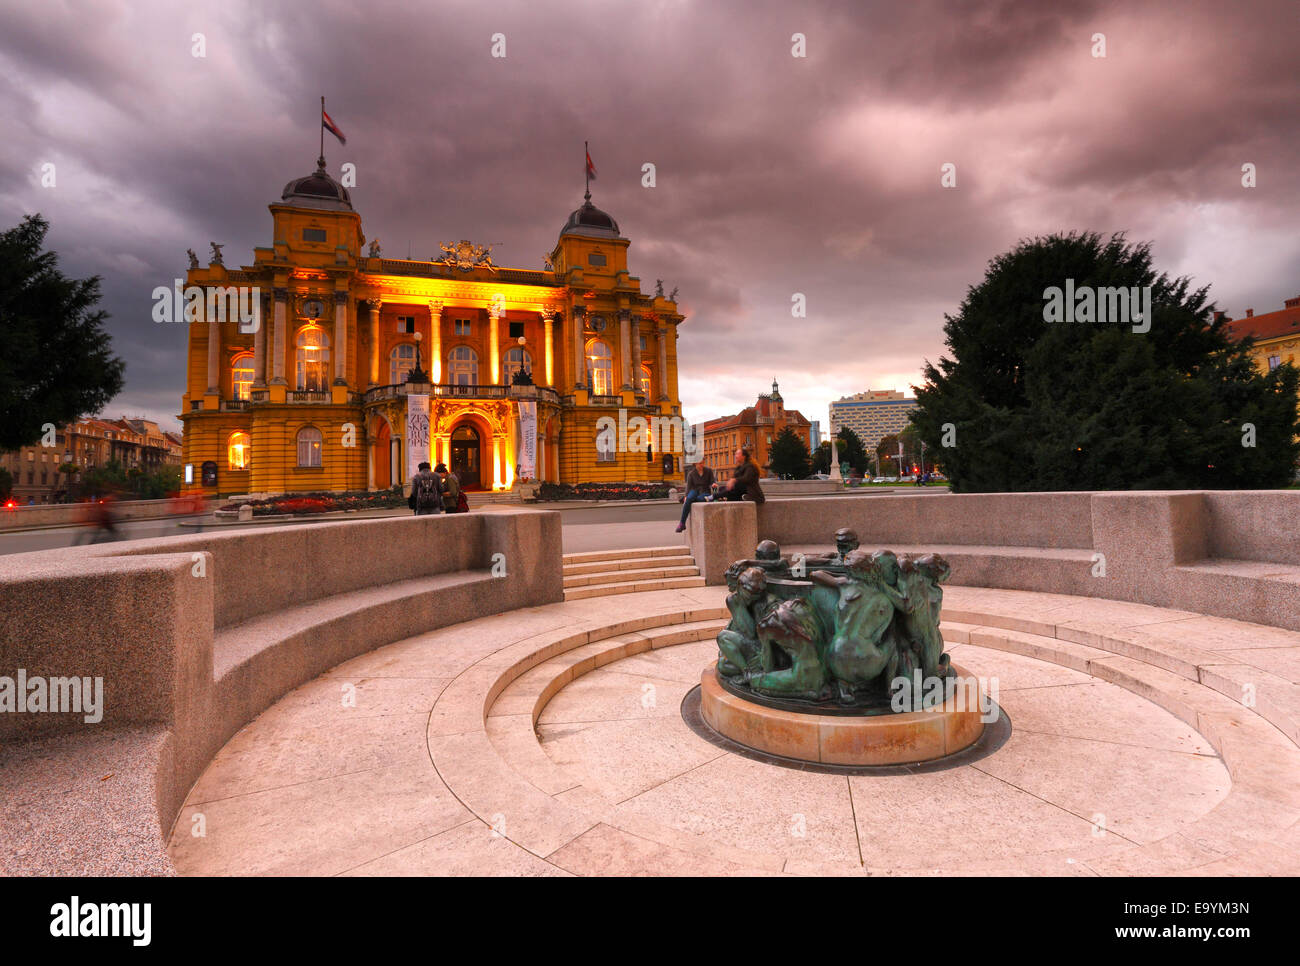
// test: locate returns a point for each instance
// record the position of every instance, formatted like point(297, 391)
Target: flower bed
point(304, 504)
point(548, 492)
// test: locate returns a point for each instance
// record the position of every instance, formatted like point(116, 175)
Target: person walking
point(744, 479)
point(426, 491)
point(450, 489)
point(699, 486)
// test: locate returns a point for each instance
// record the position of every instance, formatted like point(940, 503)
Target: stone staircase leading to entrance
point(600, 573)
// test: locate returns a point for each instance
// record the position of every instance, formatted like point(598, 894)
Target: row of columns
point(629, 341)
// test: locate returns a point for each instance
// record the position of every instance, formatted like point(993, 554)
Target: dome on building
point(590, 220)
point(317, 190)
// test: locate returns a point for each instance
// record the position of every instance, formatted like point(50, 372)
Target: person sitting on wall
point(699, 486)
point(744, 479)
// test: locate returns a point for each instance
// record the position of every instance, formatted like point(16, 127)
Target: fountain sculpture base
point(901, 738)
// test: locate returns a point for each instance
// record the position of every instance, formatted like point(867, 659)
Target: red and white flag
point(327, 122)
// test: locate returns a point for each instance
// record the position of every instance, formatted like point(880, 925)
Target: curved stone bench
point(194, 674)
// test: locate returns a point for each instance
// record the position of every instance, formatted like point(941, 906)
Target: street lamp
point(417, 374)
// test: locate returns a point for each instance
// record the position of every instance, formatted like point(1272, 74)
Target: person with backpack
point(426, 491)
point(450, 489)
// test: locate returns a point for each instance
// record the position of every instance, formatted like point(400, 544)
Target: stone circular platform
point(905, 738)
point(550, 741)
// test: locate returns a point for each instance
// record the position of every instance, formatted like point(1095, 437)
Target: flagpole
point(586, 168)
point(322, 130)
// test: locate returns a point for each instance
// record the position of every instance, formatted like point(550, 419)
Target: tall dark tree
point(788, 456)
point(820, 461)
point(1028, 404)
point(57, 364)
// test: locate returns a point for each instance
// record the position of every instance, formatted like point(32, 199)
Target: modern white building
point(873, 414)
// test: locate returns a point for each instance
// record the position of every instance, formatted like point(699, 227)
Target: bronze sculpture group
point(838, 637)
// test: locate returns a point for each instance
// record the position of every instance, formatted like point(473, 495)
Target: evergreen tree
point(58, 363)
point(821, 457)
point(1030, 404)
point(788, 456)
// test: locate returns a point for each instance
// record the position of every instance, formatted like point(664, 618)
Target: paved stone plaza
point(551, 741)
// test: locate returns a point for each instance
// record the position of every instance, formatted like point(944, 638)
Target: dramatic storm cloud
point(777, 174)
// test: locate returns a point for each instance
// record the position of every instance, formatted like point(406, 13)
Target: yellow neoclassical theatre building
point(361, 363)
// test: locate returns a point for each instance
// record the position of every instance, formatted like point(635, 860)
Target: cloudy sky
point(776, 174)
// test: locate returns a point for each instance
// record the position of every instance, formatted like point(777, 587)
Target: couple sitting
point(436, 491)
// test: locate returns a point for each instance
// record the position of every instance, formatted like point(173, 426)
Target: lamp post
point(417, 374)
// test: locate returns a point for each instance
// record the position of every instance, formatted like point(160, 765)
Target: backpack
point(426, 491)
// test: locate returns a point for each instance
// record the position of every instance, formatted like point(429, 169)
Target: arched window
point(239, 451)
point(241, 375)
point(515, 360)
point(309, 446)
point(313, 347)
point(400, 362)
point(645, 381)
point(462, 366)
point(600, 367)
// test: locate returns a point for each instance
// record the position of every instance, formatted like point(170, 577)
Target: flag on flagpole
point(591, 168)
point(328, 123)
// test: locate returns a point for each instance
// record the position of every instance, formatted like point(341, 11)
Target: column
point(374, 305)
point(579, 355)
point(548, 317)
point(636, 356)
point(277, 353)
point(340, 338)
point(625, 347)
point(259, 346)
point(496, 460)
point(663, 363)
point(372, 454)
point(494, 354)
point(435, 341)
point(214, 353)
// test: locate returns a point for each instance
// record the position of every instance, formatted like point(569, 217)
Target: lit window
point(400, 362)
point(242, 375)
point(600, 367)
point(240, 451)
point(515, 360)
point(645, 380)
point(462, 366)
point(309, 446)
point(605, 448)
point(313, 360)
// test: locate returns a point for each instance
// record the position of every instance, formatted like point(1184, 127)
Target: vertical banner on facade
point(527, 439)
point(417, 433)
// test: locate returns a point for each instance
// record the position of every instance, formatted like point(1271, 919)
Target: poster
point(417, 433)
point(527, 439)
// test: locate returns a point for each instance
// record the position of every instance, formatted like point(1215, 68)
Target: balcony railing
point(449, 391)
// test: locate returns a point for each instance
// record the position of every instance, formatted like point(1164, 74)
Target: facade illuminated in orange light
point(316, 398)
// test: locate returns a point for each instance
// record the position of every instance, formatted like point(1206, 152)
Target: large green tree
point(1029, 404)
point(788, 456)
point(57, 364)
